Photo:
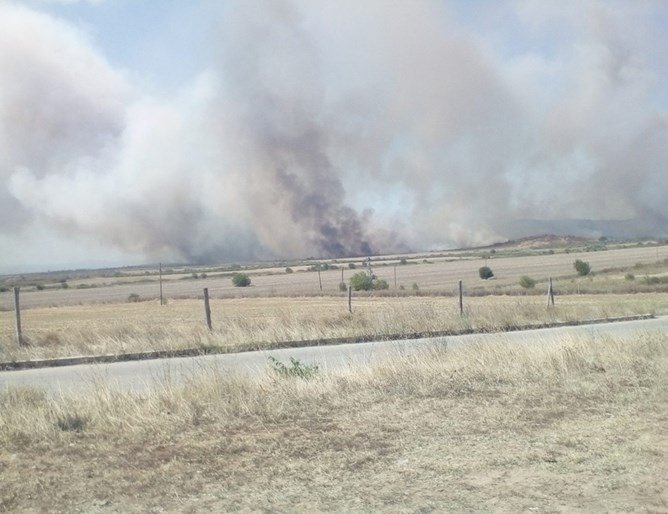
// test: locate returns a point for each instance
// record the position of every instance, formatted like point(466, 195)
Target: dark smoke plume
point(341, 128)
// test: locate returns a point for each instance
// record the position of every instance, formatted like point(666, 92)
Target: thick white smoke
point(333, 128)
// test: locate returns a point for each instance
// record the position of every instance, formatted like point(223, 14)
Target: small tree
point(485, 272)
point(582, 267)
point(241, 280)
point(527, 282)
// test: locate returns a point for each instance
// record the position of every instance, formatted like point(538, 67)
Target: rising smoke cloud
point(339, 128)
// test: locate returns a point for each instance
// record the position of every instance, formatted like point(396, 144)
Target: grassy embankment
point(262, 322)
point(575, 426)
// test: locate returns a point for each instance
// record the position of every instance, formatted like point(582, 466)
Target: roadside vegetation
point(484, 427)
point(250, 323)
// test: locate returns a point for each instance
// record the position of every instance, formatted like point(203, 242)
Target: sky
point(208, 131)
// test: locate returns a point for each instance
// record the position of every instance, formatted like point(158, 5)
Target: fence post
point(395, 276)
point(350, 299)
point(160, 275)
point(17, 315)
point(342, 281)
point(207, 308)
point(461, 299)
point(550, 294)
point(319, 279)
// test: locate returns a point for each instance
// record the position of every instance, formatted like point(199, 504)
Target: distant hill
point(544, 241)
point(591, 229)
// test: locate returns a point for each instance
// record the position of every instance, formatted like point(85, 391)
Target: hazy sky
point(226, 130)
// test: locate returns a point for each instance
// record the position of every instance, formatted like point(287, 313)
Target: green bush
point(241, 280)
point(352, 265)
point(133, 298)
point(403, 261)
point(485, 272)
point(583, 268)
point(296, 369)
point(527, 282)
point(343, 286)
point(630, 276)
point(289, 270)
point(361, 281)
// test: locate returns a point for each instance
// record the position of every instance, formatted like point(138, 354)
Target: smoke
point(340, 128)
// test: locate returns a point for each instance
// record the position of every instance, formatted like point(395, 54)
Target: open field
point(437, 275)
point(244, 323)
point(574, 426)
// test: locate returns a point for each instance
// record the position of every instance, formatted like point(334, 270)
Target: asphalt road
point(141, 376)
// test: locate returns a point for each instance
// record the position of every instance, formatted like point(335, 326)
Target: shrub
point(3, 289)
point(39, 287)
point(289, 270)
point(296, 369)
point(583, 268)
point(630, 276)
point(241, 280)
point(133, 298)
point(415, 286)
point(380, 284)
point(361, 281)
point(343, 286)
point(64, 285)
point(403, 261)
point(352, 265)
point(485, 272)
point(72, 423)
point(527, 282)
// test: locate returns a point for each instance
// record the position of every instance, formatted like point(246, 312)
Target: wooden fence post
point(319, 279)
point(550, 294)
point(350, 299)
point(17, 315)
point(395, 276)
point(162, 302)
point(207, 308)
point(461, 299)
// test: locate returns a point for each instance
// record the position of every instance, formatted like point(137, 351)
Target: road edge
point(217, 350)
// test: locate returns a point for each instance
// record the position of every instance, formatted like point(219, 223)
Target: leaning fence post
point(207, 308)
point(550, 294)
point(319, 279)
point(461, 299)
point(17, 315)
point(350, 299)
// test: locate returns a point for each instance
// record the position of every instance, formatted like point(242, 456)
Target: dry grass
point(259, 322)
point(576, 426)
point(435, 276)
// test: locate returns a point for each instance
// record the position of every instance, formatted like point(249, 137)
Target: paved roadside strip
point(214, 350)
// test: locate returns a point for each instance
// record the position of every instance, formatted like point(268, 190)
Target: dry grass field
point(578, 426)
point(437, 275)
point(260, 322)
